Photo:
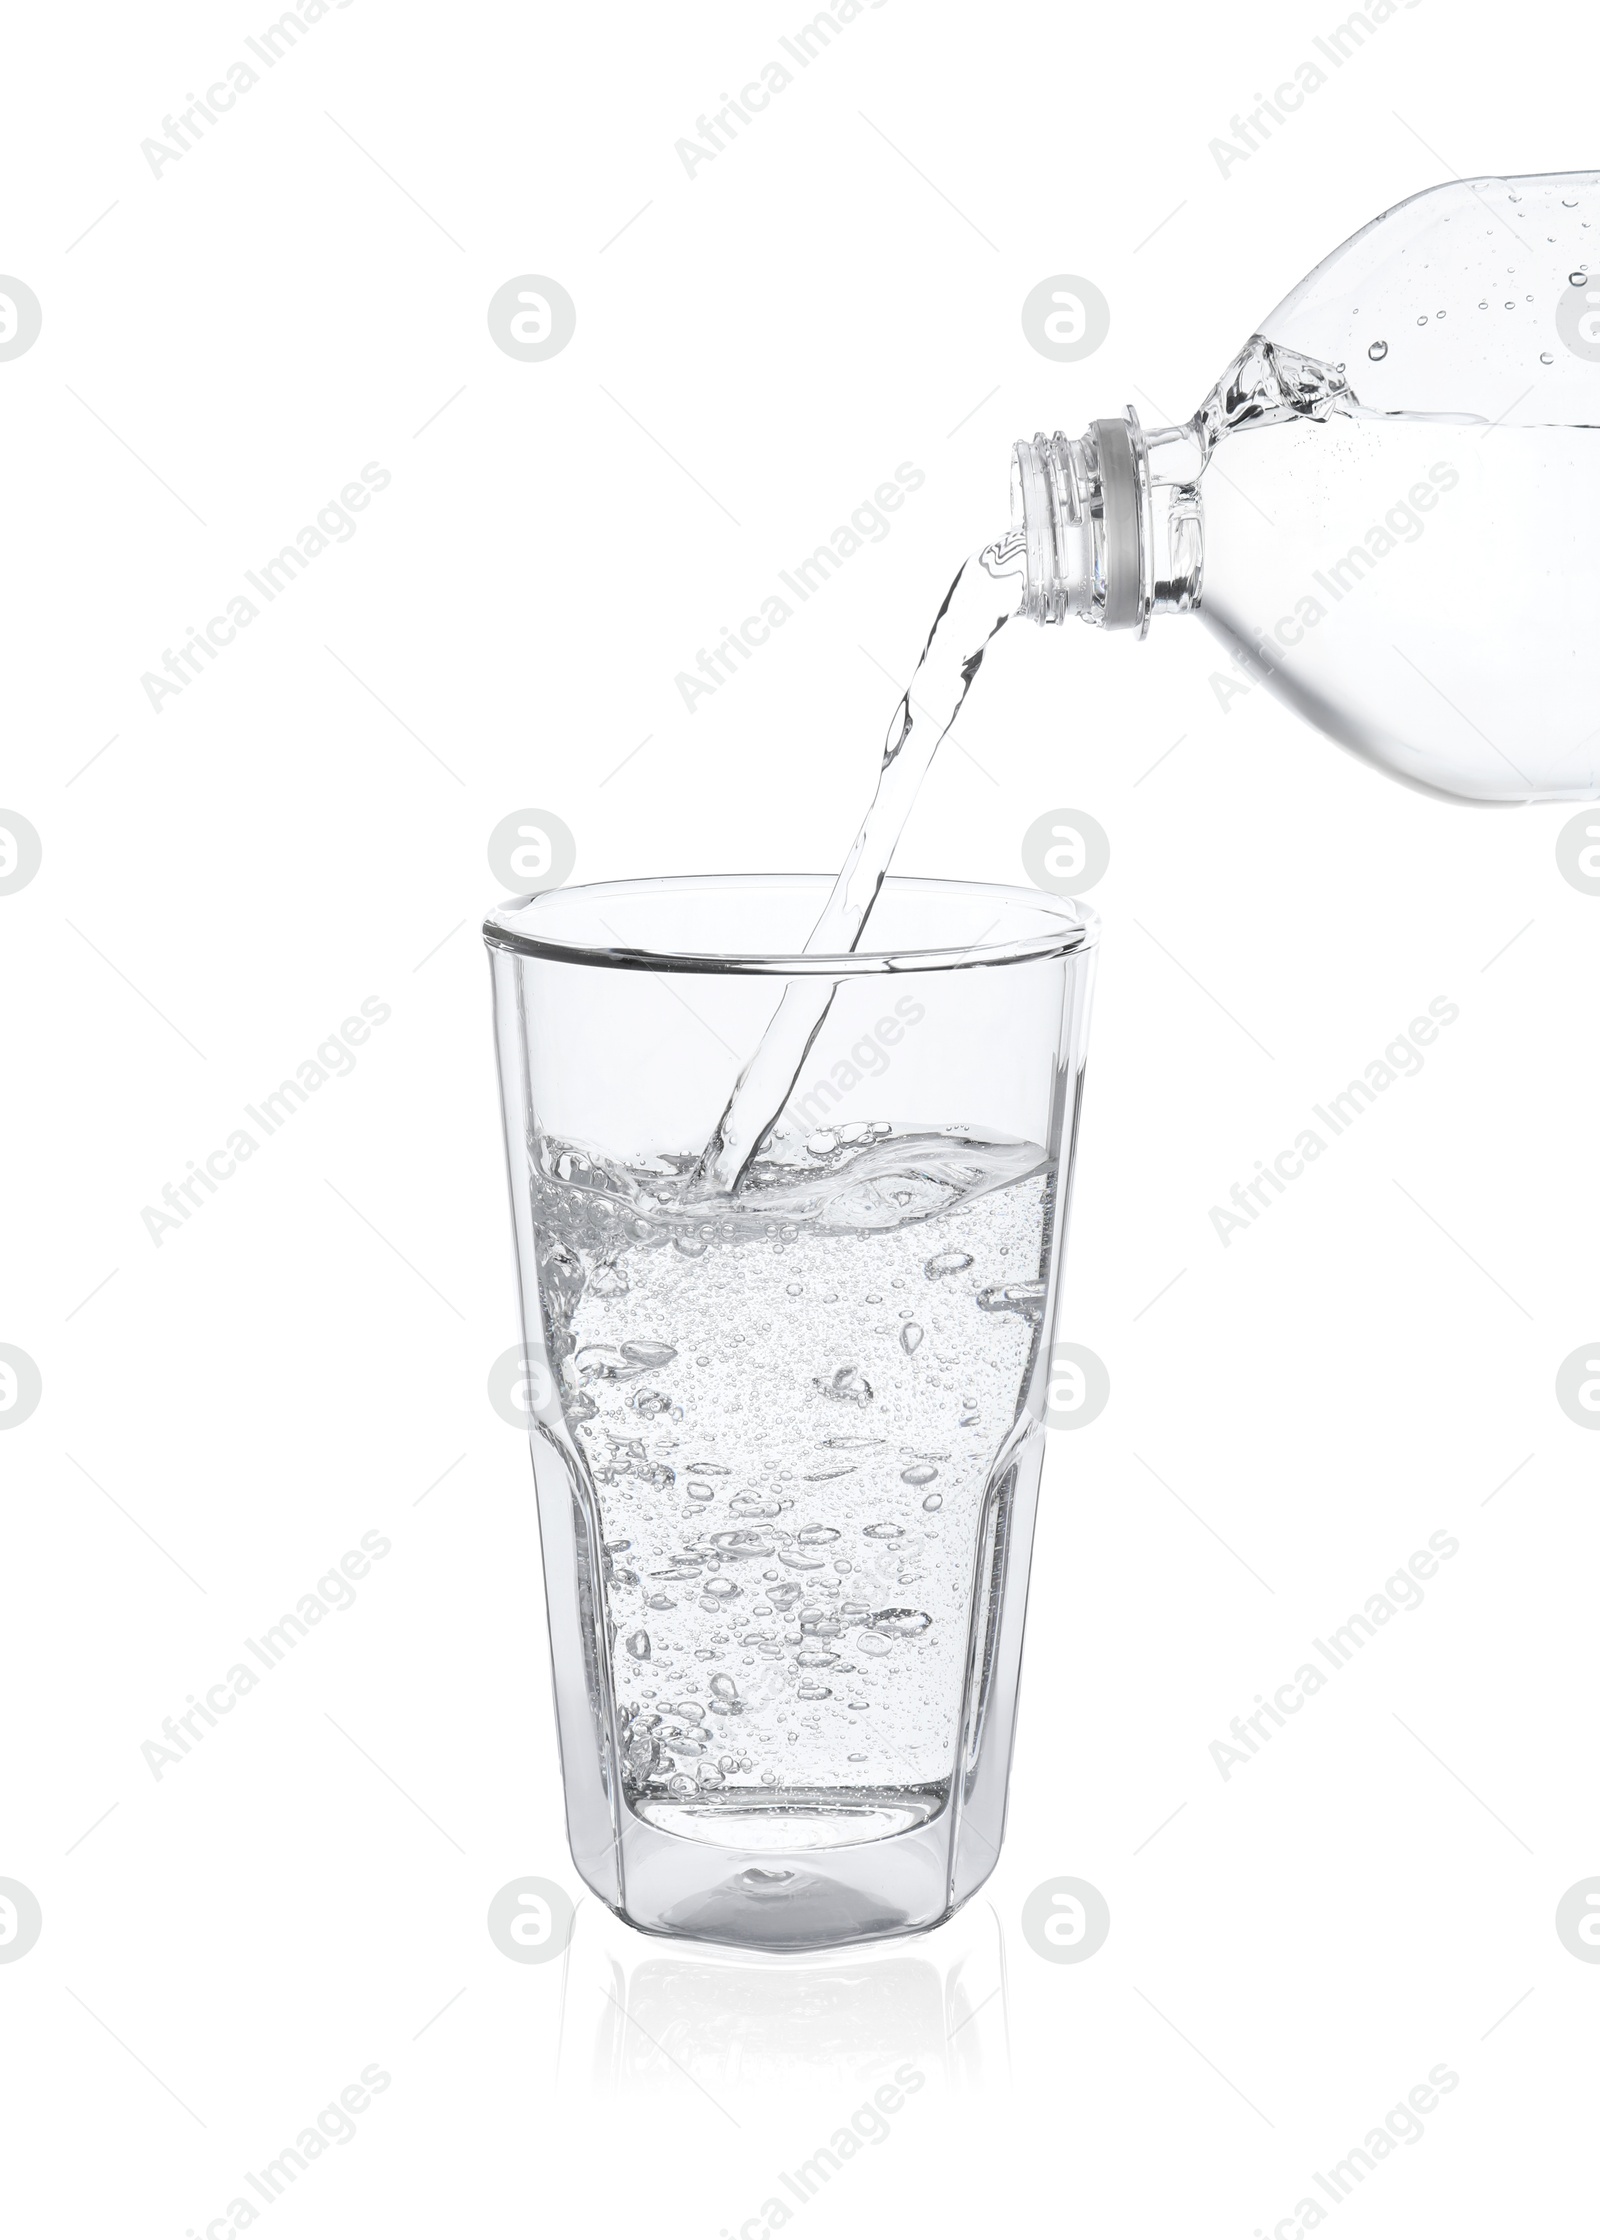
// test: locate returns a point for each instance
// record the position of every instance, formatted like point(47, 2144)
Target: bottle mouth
point(1109, 523)
point(1082, 507)
point(1033, 516)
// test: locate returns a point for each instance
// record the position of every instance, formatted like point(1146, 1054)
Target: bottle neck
point(1112, 523)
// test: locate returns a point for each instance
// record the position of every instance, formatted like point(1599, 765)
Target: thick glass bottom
point(791, 1874)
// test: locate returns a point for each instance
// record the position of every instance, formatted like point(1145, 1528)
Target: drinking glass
point(787, 1440)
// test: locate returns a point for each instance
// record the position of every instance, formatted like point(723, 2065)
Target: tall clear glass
point(787, 1442)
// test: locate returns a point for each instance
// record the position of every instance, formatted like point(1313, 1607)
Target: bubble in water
point(816, 1535)
point(1577, 279)
point(798, 1560)
point(911, 1336)
point(811, 1692)
point(1012, 1298)
point(702, 1494)
point(638, 1646)
point(872, 1645)
point(659, 1602)
point(710, 1776)
point(652, 1403)
point(846, 1384)
point(841, 1439)
point(1546, 358)
point(947, 1264)
point(690, 1247)
point(648, 1353)
point(934, 1501)
point(816, 1660)
point(883, 1531)
point(742, 1545)
point(1423, 319)
point(721, 1590)
point(680, 1786)
point(903, 1625)
point(725, 1688)
point(920, 1474)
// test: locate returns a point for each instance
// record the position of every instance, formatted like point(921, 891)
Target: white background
point(305, 1360)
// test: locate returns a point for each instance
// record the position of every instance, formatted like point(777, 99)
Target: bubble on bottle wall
point(1377, 350)
point(531, 851)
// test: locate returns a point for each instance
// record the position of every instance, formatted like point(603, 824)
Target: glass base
point(798, 1875)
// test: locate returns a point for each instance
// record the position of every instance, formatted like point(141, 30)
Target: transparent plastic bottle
point(1388, 507)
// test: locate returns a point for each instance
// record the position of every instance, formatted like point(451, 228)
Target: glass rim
point(1077, 930)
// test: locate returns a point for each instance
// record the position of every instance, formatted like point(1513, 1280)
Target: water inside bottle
point(1421, 586)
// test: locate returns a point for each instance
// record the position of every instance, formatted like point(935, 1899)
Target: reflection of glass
point(644, 2018)
point(787, 1439)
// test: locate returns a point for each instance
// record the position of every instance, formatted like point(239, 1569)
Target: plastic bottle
point(1388, 507)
